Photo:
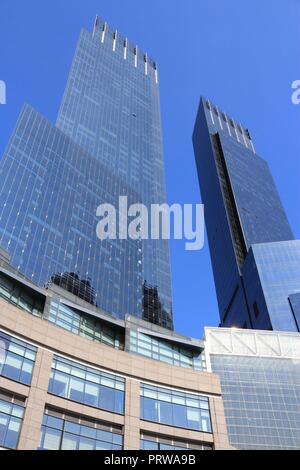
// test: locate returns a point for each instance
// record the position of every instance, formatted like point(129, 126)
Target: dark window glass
point(255, 309)
point(85, 325)
point(20, 295)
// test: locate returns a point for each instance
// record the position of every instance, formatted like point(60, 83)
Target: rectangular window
point(85, 385)
point(21, 296)
point(11, 417)
point(165, 413)
point(79, 323)
point(149, 409)
point(158, 442)
point(19, 359)
point(165, 351)
point(175, 408)
point(62, 431)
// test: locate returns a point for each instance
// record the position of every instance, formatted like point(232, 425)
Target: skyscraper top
point(220, 121)
point(121, 45)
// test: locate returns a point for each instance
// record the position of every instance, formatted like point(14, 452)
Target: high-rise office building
point(107, 143)
point(255, 259)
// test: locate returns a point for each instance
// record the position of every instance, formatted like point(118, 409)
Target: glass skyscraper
point(255, 259)
point(107, 143)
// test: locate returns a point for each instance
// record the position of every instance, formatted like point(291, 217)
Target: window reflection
point(85, 385)
point(19, 358)
point(11, 416)
point(69, 432)
point(175, 408)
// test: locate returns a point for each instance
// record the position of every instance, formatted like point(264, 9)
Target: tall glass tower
point(107, 143)
point(255, 259)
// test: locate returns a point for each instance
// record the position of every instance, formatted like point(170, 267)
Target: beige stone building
point(74, 378)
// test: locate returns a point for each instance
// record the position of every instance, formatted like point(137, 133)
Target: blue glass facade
point(48, 225)
point(260, 381)
point(242, 209)
point(261, 402)
point(107, 143)
point(111, 107)
point(222, 250)
point(259, 208)
point(271, 276)
point(294, 300)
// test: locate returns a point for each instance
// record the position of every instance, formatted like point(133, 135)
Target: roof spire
point(96, 22)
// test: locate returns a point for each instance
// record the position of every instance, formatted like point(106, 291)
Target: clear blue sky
point(243, 55)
